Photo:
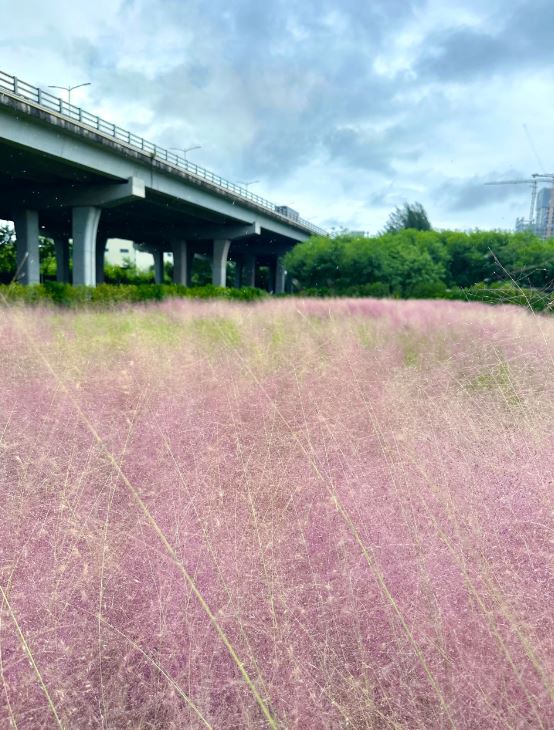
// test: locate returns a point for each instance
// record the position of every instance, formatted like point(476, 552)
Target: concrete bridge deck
point(65, 173)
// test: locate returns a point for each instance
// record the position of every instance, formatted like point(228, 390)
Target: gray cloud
point(295, 75)
point(465, 53)
point(324, 102)
point(370, 150)
point(515, 38)
point(475, 192)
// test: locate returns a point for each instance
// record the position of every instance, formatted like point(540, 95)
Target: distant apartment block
point(543, 225)
point(544, 215)
point(522, 224)
point(120, 252)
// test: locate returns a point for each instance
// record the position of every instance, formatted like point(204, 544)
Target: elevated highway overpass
point(68, 174)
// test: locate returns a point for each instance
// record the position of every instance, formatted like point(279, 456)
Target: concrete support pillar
point(238, 273)
point(99, 257)
point(85, 227)
point(183, 254)
point(219, 261)
point(158, 255)
point(27, 255)
point(61, 248)
point(271, 277)
point(280, 273)
point(249, 270)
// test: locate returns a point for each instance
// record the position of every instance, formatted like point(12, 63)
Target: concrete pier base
point(183, 254)
point(280, 273)
point(61, 248)
point(219, 262)
point(158, 255)
point(85, 228)
point(100, 257)
point(27, 254)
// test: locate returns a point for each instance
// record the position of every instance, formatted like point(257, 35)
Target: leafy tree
point(127, 274)
point(399, 260)
point(7, 254)
point(47, 257)
point(469, 257)
point(396, 261)
point(409, 262)
point(318, 262)
point(201, 273)
point(410, 215)
point(528, 261)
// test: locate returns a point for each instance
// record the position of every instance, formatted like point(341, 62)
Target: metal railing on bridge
point(21, 89)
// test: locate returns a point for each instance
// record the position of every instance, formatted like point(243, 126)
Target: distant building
point(522, 224)
point(543, 227)
point(120, 252)
point(544, 215)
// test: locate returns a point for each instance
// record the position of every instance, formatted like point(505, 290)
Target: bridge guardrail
point(21, 89)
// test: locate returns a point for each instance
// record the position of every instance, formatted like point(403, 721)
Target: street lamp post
point(69, 89)
point(246, 184)
point(184, 150)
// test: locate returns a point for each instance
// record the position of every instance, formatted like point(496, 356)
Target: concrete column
point(219, 261)
point(158, 255)
point(85, 227)
point(271, 277)
point(249, 270)
point(238, 273)
point(27, 256)
point(183, 254)
point(100, 256)
point(61, 247)
point(190, 258)
point(279, 285)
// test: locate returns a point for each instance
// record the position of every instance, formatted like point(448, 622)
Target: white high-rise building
point(543, 225)
point(544, 213)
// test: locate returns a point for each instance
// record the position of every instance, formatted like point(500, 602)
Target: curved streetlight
point(184, 150)
point(69, 89)
point(246, 184)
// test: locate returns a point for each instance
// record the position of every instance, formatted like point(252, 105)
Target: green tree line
point(414, 263)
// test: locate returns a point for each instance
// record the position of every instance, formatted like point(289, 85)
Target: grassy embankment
point(300, 513)
point(105, 296)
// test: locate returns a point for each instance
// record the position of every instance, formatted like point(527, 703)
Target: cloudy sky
point(342, 110)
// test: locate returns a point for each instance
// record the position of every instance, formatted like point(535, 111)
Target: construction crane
point(534, 181)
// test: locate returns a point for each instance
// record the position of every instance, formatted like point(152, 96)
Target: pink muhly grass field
point(294, 514)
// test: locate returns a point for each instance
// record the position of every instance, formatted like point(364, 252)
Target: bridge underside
point(57, 198)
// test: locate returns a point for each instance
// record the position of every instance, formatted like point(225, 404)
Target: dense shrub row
point(106, 294)
point(501, 293)
point(412, 263)
point(535, 299)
